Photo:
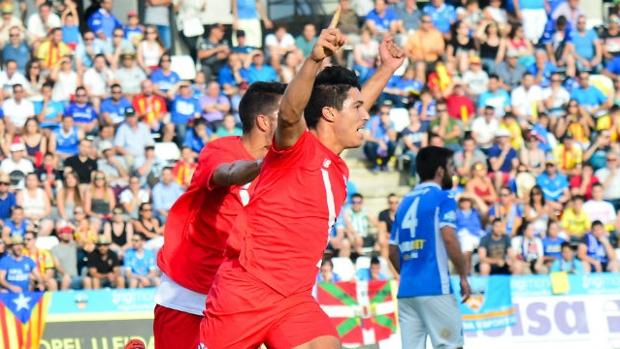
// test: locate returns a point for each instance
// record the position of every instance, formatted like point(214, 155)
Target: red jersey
point(200, 220)
point(286, 224)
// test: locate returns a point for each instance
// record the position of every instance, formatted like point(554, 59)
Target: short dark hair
point(261, 98)
point(597, 223)
point(431, 158)
point(330, 90)
point(566, 244)
point(357, 196)
point(375, 260)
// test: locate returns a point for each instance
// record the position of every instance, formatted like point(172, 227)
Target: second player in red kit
point(201, 219)
point(264, 296)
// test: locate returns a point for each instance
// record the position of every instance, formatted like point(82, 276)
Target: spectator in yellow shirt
point(575, 221)
point(510, 123)
point(569, 155)
point(53, 49)
point(43, 259)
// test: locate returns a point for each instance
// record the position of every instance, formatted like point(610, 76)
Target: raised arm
point(392, 58)
point(291, 123)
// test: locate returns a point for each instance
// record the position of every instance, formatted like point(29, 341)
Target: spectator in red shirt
point(151, 109)
point(460, 106)
point(582, 184)
point(185, 167)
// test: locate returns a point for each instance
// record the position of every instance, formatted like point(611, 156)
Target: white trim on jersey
point(174, 296)
point(331, 206)
point(442, 257)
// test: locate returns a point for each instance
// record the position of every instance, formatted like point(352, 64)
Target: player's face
point(349, 124)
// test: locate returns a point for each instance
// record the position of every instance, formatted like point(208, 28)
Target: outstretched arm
point(236, 173)
point(291, 123)
point(392, 58)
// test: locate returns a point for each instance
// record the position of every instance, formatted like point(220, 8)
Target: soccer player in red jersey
point(201, 219)
point(264, 296)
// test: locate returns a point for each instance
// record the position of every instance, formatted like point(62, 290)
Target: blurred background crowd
point(103, 117)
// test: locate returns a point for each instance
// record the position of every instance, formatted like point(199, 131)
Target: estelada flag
point(362, 312)
point(22, 319)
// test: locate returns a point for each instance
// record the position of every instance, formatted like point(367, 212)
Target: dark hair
point(327, 261)
point(48, 83)
point(493, 76)
point(375, 260)
point(597, 223)
point(330, 90)
point(261, 98)
point(578, 197)
point(542, 196)
point(566, 244)
point(357, 196)
point(431, 158)
point(15, 208)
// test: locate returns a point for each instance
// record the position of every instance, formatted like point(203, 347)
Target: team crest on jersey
point(326, 163)
point(450, 216)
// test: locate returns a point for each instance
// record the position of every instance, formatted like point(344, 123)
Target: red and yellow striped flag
point(22, 319)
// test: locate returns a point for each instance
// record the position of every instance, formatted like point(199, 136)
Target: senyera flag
point(362, 312)
point(22, 319)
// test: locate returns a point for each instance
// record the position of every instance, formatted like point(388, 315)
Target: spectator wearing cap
point(52, 49)
point(503, 158)
point(247, 16)
point(120, 46)
point(40, 23)
point(165, 193)
point(132, 136)
point(17, 166)
point(83, 113)
point(17, 109)
point(43, 260)
point(586, 47)
point(596, 252)
point(104, 266)
point(16, 49)
point(151, 108)
point(443, 15)
point(134, 31)
point(65, 139)
point(426, 44)
point(129, 74)
point(7, 198)
point(475, 79)
point(197, 136)
point(157, 15)
point(81, 163)
point(16, 270)
point(380, 138)
point(381, 19)
point(112, 165)
point(183, 109)
point(213, 51)
point(305, 42)
point(9, 21)
point(553, 183)
point(113, 108)
point(140, 265)
point(258, 70)
point(446, 127)
point(569, 155)
point(104, 20)
point(510, 72)
point(527, 100)
point(65, 261)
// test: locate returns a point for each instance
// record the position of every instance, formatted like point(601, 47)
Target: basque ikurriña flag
point(362, 312)
point(22, 319)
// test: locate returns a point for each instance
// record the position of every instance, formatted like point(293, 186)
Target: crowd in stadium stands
point(99, 133)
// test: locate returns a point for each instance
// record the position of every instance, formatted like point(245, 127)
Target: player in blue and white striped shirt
point(423, 238)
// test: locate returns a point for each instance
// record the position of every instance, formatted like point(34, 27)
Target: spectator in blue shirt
point(113, 108)
point(164, 78)
point(373, 273)
point(183, 109)
point(16, 270)
point(468, 227)
point(17, 50)
point(588, 50)
point(165, 193)
point(7, 198)
point(259, 71)
point(443, 15)
point(380, 138)
point(401, 89)
point(612, 68)
point(381, 19)
point(103, 20)
point(198, 136)
point(567, 263)
point(552, 243)
point(495, 96)
point(542, 69)
point(232, 74)
point(589, 97)
point(83, 113)
point(327, 272)
point(16, 225)
point(595, 251)
point(554, 184)
point(242, 48)
point(503, 158)
point(140, 266)
point(47, 110)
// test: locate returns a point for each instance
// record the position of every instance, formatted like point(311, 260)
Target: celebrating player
point(264, 296)
point(423, 237)
point(201, 219)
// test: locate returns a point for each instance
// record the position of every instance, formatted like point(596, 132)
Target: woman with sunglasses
point(148, 225)
point(119, 231)
point(150, 50)
point(538, 211)
point(99, 199)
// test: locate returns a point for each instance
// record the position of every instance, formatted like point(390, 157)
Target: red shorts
point(243, 312)
point(175, 329)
